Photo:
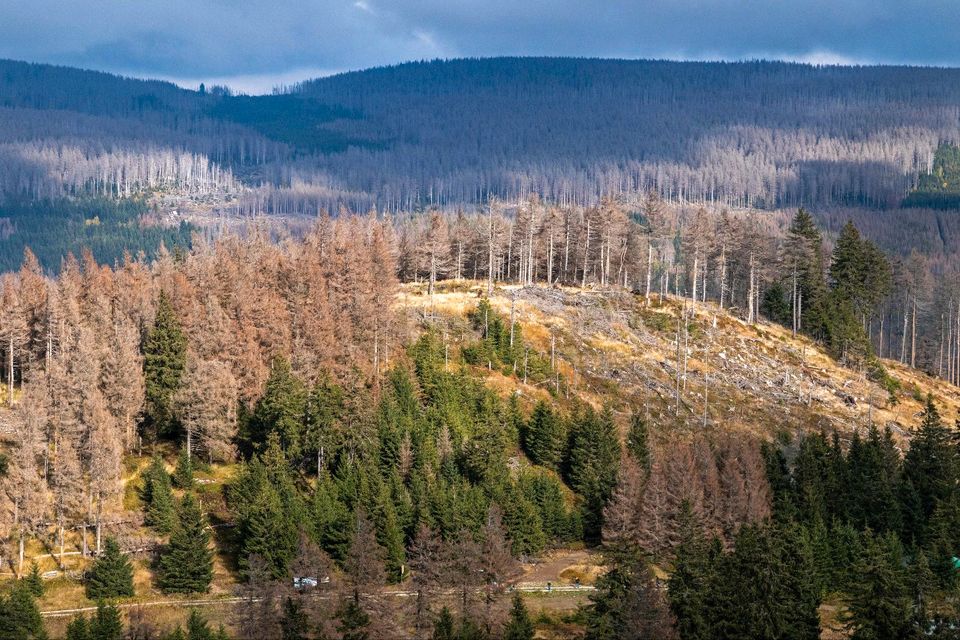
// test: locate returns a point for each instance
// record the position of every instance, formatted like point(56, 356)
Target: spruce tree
point(159, 508)
point(197, 627)
point(593, 464)
point(688, 588)
point(111, 575)
point(106, 623)
point(78, 628)
point(19, 616)
point(183, 472)
point(281, 410)
point(33, 581)
point(268, 531)
point(164, 360)
point(520, 626)
point(880, 601)
point(931, 472)
point(545, 436)
point(186, 564)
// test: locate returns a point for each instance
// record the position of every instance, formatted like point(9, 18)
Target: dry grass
point(761, 380)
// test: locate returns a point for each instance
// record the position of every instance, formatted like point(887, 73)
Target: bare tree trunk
point(649, 269)
point(586, 255)
point(903, 337)
point(10, 372)
point(696, 272)
point(880, 339)
point(20, 561)
point(940, 357)
point(723, 273)
point(794, 301)
point(490, 254)
point(913, 335)
point(750, 309)
point(550, 262)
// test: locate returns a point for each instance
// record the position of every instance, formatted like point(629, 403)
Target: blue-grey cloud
point(262, 40)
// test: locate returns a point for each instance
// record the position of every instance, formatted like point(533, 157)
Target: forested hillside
point(760, 133)
point(229, 418)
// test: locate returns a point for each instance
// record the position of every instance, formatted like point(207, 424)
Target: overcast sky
point(255, 44)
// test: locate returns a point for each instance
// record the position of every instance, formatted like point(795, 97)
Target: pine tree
point(20, 617)
point(33, 581)
point(159, 511)
point(183, 472)
point(545, 437)
point(164, 360)
point(186, 565)
point(106, 623)
point(78, 628)
point(111, 575)
point(281, 410)
point(520, 626)
point(592, 464)
point(931, 471)
point(880, 605)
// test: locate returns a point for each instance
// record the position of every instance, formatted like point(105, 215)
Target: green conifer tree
point(281, 410)
point(637, 444)
point(520, 626)
point(159, 506)
point(879, 607)
point(545, 437)
point(198, 628)
point(19, 615)
point(106, 623)
point(186, 565)
point(688, 588)
point(111, 575)
point(78, 628)
point(33, 581)
point(164, 360)
point(183, 472)
point(931, 472)
point(593, 464)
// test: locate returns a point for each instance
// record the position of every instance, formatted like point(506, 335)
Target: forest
point(281, 417)
point(259, 411)
point(762, 134)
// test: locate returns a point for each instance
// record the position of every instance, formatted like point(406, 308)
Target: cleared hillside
point(612, 347)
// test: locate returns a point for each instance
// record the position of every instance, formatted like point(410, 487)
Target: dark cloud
point(259, 40)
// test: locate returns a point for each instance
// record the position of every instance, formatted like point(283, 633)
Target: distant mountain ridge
point(451, 132)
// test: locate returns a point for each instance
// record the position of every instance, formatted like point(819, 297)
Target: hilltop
point(614, 348)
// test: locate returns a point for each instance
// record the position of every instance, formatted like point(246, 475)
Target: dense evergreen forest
point(107, 228)
point(762, 134)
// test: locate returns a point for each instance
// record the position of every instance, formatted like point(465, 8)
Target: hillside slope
point(614, 348)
